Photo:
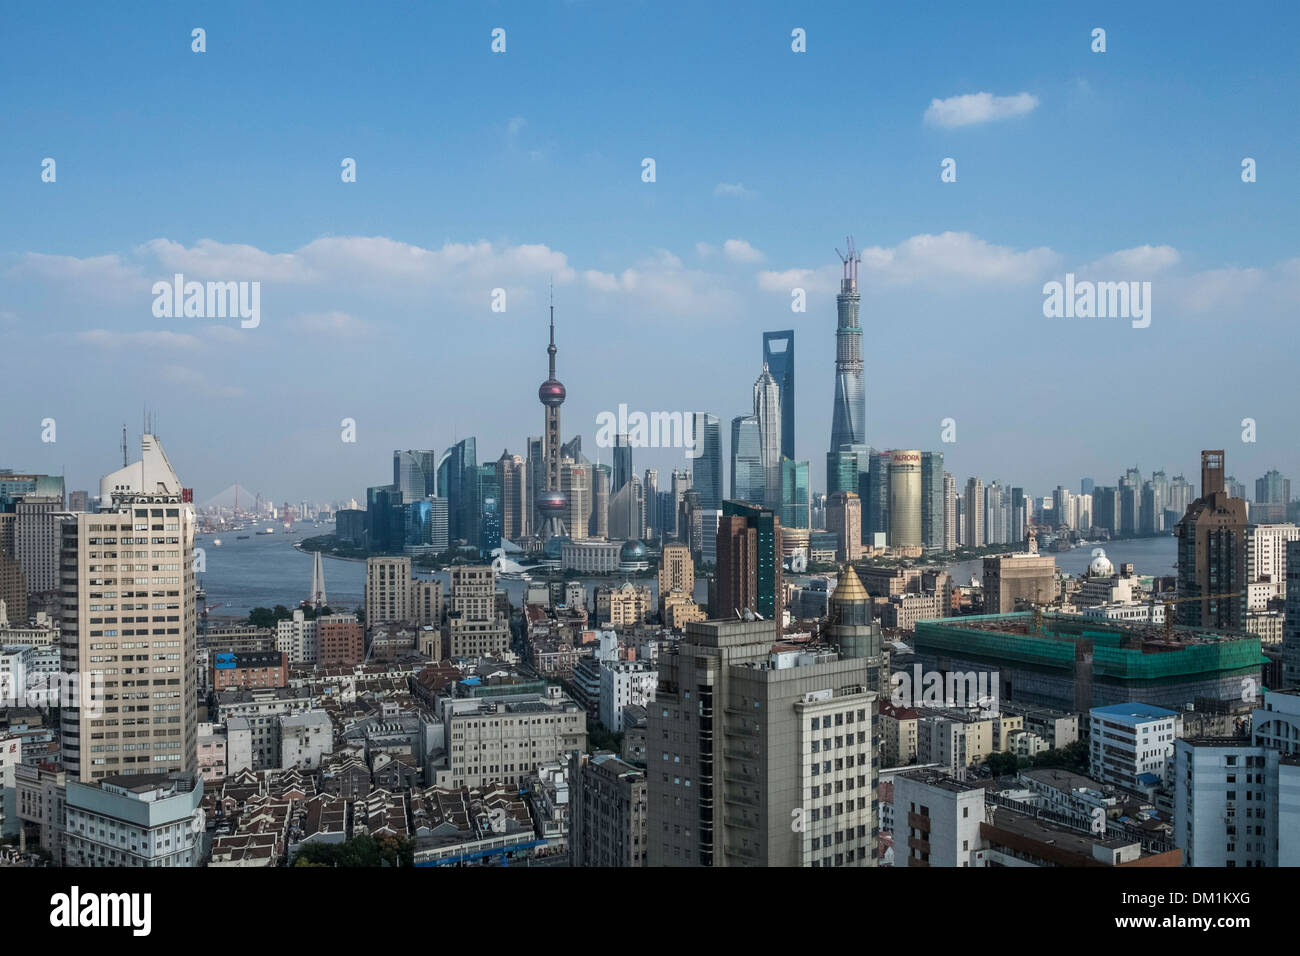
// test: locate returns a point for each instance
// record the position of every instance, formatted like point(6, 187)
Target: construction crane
point(1170, 602)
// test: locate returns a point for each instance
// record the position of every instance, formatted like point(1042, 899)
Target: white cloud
point(336, 324)
point(705, 251)
point(734, 190)
point(1133, 263)
point(738, 250)
point(99, 276)
point(160, 338)
point(209, 259)
point(972, 108)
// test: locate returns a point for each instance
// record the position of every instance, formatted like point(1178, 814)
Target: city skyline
point(951, 277)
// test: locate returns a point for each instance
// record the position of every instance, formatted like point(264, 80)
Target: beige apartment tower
point(388, 591)
point(128, 628)
point(844, 519)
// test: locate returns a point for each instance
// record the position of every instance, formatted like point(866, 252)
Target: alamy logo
point(211, 300)
point(655, 430)
point(1098, 300)
point(75, 909)
point(922, 688)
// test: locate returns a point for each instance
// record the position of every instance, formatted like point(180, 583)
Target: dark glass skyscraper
point(707, 466)
point(452, 471)
point(622, 463)
point(848, 418)
point(778, 353)
point(747, 482)
point(932, 501)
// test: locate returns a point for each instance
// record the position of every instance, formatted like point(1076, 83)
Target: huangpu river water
point(266, 570)
point(1154, 556)
point(263, 570)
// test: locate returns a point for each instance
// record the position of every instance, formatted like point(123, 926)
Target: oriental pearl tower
point(552, 502)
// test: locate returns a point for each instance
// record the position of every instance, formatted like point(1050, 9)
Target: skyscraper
point(707, 467)
point(905, 499)
point(844, 520)
point(622, 463)
point(849, 412)
point(148, 723)
point(1272, 494)
point(795, 506)
point(748, 575)
point(778, 356)
point(455, 467)
point(598, 527)
point(512, 479)
point(552, 504)
point(932, 501)
point(1212, 553)
point(653, 511)
point(974, 511)
point(627, 512)
point(875, 501)
point(747, 481)
point(767, 409)
point(949, 512)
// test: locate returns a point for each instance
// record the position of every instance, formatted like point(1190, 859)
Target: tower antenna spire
point(850, 260)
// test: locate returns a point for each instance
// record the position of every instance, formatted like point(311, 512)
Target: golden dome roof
point(850, 587)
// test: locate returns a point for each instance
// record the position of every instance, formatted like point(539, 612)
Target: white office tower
point(128, 635)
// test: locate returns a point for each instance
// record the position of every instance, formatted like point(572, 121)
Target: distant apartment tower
point(745, 738)
point(388, 590)
point(146, 723)
point(949, 512)
point(974, 511)
point(933, 503)
point(844, 520)
point(598, 526)
point(36, 541)
point(749, 573)
point(1272, 495)
point(512, 477)
point(339, 640)
point(1212, 553)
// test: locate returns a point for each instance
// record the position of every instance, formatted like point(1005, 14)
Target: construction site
point(1073, 663)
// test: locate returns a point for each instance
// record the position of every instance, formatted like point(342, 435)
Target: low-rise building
point(147, 820)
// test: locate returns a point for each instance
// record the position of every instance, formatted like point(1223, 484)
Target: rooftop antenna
point(124, 461)
point(850, 260)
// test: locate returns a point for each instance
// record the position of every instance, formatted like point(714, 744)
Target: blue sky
point(478, 171)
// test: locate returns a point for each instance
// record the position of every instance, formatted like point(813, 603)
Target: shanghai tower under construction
point(848, 420)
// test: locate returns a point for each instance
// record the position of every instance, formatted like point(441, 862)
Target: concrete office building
point(135, 719)
point(747, 735)
point(607, 811)
point(503, 740)
point(905, 499)
point(145, 820)
point(1014, 581)
point(1237, 800)
point(939, 817)
point(388, 591)
point(37, 540)
point(676, 572)
point(1127, 742)
point(625, 684)
point(475, 627)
